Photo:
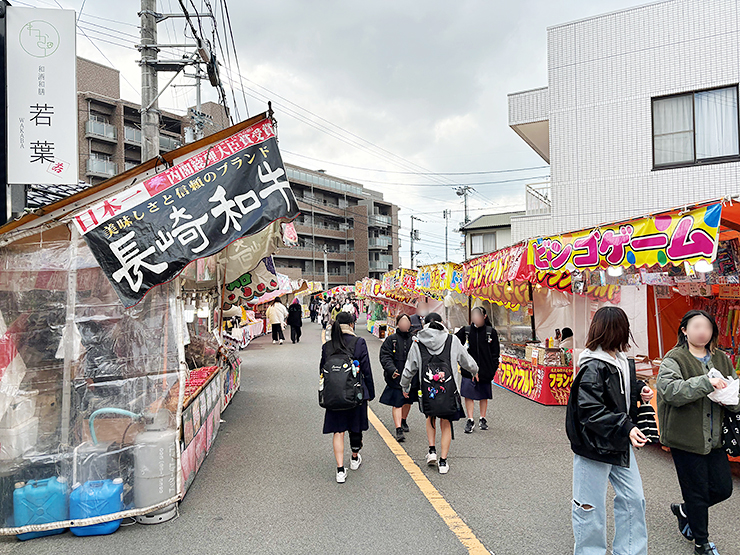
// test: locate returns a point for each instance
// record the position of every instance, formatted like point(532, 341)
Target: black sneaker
point(405, 427)
point(483, 424)
point(400, 438)
point(683, 522)
point(469, 426)
point(706, 549)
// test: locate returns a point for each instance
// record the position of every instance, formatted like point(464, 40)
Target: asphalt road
point(268, 485)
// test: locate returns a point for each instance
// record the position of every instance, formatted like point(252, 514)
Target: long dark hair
point(434, 320)
point(486, 319)
point(610, 330)
point(683, 340)
point(337, 337)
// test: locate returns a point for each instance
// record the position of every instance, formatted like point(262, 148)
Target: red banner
point(547, 385)
point(505, 265)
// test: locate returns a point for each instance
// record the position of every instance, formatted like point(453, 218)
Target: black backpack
point(340, 388)
point(439, 396)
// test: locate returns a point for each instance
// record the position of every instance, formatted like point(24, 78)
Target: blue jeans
point(590, 481)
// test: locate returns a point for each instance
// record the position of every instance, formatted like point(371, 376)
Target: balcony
point(167, 143)
point(538, 198)
point(99, 130)
point(379, 220)
point(132, 136)
point(127, 165)
point(381, 242)
point(101, 168)
point(380, 265)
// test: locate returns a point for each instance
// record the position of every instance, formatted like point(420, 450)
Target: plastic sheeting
point(558, 309)
point(69, 342)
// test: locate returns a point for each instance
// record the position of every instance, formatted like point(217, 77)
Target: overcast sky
point(414, 86)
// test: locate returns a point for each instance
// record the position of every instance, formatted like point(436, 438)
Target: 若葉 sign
point(41, 96)
point(146, 234)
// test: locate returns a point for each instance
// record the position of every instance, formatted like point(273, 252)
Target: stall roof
point(77, 199)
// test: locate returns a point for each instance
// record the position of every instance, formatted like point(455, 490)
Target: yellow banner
point(671, 238)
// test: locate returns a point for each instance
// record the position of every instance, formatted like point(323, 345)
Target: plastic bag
point(729, 396)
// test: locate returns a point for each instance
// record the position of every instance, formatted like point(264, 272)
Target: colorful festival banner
point(511, 297)
point(563, 281)
point(252, 285)
point(435, 280)
point(547, 385)
point(146, 234)
point(672, 238)
point(502, 266)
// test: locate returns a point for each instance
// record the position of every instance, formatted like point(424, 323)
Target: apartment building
point(356, 228)
point(640, 114)
point(110, 128)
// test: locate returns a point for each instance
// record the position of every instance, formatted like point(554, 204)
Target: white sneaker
point(431, 459)
point(355, 464)
point(281, 341)
point(274, 342)
point(444, 467)
point(341, 476)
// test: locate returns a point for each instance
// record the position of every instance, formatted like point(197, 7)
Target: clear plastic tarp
point(89, 391)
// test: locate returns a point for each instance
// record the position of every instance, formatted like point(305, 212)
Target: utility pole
point(446, 214)
point(149, 85)
point(464, 191)
point(414, 237)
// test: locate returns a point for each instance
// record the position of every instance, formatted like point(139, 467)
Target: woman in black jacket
point(295, 320)
point(393, 354)
point(484, 347)
point(600, 422)
point(355, 420)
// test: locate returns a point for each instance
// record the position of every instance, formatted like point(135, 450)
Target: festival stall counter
point(94, 331)
point(682, 259)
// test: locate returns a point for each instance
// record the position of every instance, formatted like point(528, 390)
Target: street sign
point(41, 96)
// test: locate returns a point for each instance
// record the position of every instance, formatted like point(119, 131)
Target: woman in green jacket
point(691, 424)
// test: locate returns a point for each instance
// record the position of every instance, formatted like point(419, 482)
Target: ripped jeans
point(590, 481)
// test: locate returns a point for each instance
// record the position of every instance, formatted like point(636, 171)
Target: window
point(482, 243)
point(695, 127)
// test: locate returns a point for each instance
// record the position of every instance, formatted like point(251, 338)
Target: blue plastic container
point(40, 502)
point(96, 498)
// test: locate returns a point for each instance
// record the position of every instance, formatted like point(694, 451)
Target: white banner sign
point(42, 96)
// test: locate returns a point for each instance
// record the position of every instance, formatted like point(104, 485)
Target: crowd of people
point(447, 373)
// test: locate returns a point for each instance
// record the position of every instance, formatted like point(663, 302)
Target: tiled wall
point(603, 73)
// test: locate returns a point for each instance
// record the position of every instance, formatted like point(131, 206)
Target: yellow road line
point(440, 504)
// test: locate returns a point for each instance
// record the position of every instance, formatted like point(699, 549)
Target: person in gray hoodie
point(436, 341)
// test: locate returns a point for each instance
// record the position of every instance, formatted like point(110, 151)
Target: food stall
point(501, 281)
point(94, 377)
point(443, 282)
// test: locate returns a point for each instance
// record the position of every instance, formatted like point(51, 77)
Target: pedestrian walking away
point(483, 345)
point(600, 423)
point(393, 354)
point(691, 424)
point(344, 357)
point(313, 309)
point(295, 320)
point(276, 315)
point(325, 314)
point(435, 356)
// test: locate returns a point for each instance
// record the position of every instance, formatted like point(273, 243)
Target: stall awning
point(668, 238)
point(436, 280)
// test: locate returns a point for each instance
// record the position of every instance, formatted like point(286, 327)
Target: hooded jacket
point(599, 417)
point(393, 354)
point(434, 341)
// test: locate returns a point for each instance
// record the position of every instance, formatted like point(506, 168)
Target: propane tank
point(155, 467)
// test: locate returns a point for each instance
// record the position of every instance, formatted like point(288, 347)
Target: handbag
point(731, 434)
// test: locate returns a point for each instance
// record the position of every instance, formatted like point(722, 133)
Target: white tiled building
point(617, 146)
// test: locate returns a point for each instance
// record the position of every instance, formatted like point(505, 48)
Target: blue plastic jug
point(96, 498)
point(40, 502)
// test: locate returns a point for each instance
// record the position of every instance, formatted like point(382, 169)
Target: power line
point(236, 56)
point(414, 173)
